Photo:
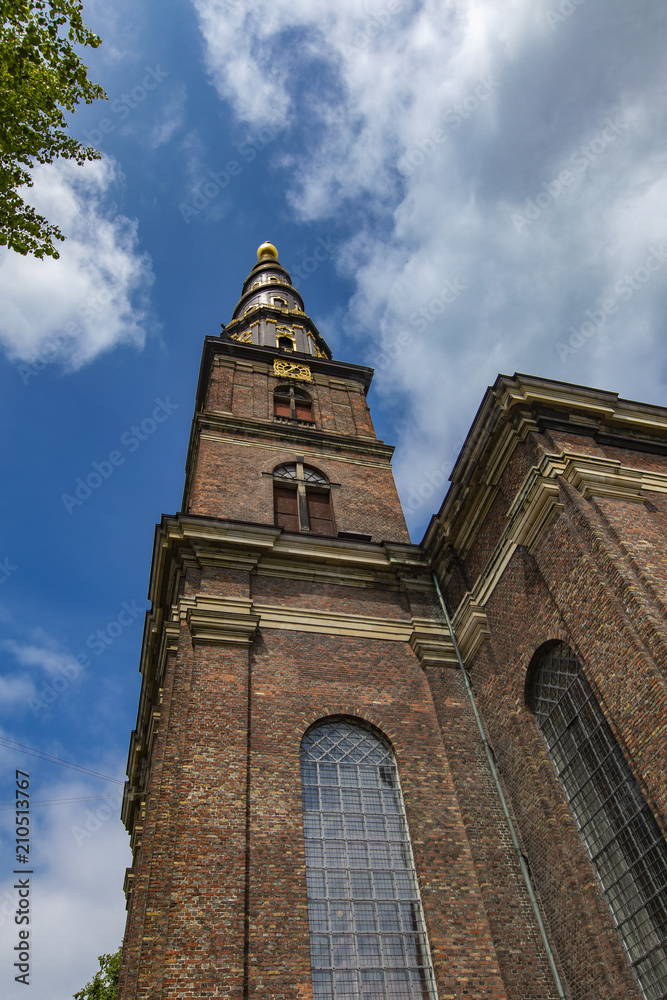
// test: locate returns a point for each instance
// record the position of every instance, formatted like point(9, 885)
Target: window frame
point(611, 813)
point(293, 394)
point(306, 481)
point(365, 913)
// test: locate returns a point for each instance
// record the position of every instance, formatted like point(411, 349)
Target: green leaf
point(41, 77)
point(104, 983)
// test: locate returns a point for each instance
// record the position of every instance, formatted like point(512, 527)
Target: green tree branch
point(104, 983)
point(41, 77)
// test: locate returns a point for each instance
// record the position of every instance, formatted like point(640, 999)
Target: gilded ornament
point(267, 250)
point(290, 369)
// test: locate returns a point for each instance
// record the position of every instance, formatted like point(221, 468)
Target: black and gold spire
point(270, 311)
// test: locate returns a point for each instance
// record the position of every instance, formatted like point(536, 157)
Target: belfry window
point(292, 402)
point(301, 499)
point(616, 824)
point(367, 934)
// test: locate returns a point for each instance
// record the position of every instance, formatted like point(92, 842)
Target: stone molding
point(186, 540)
point(431, 642)
point(333, 622)
point(536, 503)
point(470, 627)
point(276, 434)
point(235, 621)
point(220, 620)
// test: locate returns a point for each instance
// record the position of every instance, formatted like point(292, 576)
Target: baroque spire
point(270, 311)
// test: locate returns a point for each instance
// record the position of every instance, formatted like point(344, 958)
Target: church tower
point(313, 812)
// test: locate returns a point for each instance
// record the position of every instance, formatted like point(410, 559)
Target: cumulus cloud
point(44, 663)
point(79, 848)
point(505, 165)
point(95, 296)
point(47, 657)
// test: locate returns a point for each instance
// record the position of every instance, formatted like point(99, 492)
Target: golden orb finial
point(267, 250)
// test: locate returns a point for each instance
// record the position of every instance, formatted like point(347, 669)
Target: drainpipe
point(503, 800)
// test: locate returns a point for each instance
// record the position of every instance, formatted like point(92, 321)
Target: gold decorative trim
point(319, 353)
point(290, 369)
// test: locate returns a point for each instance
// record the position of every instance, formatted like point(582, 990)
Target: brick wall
point(596, 579)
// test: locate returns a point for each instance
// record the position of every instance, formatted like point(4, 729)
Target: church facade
point(366, 769)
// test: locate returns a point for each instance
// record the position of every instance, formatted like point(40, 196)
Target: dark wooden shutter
point(281, 406)
point(320, 514)
point(285, 512)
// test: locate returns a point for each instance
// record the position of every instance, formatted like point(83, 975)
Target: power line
point(33, 752)
point(7, 806)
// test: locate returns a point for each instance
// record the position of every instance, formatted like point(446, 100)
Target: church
point(368, 769)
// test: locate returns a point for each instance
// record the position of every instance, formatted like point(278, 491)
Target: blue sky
point(485, 187)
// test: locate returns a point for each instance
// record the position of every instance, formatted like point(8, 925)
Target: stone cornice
point(432, 643)
point(470, 627)
point(215, 346)
point(236, 620)
point(220, 620)
point(537, 501)
point(186, 539)
point(235, 429)
point(511, 409)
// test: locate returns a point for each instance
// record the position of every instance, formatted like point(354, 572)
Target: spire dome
point(267, 250)
point(270, 311)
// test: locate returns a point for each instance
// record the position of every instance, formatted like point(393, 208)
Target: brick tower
point(314, 806)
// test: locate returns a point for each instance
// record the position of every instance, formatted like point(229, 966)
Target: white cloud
point(442, 127)
point(80, 851)
point(49, 659)
point(15, 691)
point(170, 118)
point(42, 656)
point(95, 296)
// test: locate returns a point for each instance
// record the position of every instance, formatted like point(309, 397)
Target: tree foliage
point(104, 983)
point(41, 78)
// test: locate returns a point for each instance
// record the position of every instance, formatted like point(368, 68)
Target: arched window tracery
point(626, 846)
point(291, 402)
point(367, 935)
point(302, 499)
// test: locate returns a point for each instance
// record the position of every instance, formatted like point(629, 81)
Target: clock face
point(290, 369)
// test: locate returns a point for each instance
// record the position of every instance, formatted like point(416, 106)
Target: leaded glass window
point(618, 828)
point(308, 475)
point(367, 935)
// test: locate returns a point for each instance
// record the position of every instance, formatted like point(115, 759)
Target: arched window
point(367, 935)
point(620, 833)
point(291, 402)
point(301, 499)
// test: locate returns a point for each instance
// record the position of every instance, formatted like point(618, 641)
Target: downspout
point(503, 800)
